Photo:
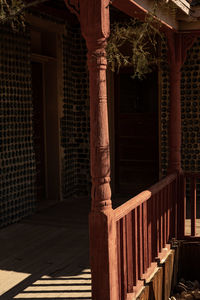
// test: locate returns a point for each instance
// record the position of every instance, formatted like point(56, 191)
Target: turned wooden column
point(95, 26)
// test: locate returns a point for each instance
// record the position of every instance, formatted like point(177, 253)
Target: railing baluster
point(184, 206)
point(154, 228)
point(157, 224)
point(167, 213)
point(149, 224)
point(145, 244)
point(175, 197)
point(129, 245)
point(124, 259)
point(171, 206)
point(160, 208)
point(193, 205)
point(119, 259)
point(164, 217)
point(140, 242)
point(135, 246)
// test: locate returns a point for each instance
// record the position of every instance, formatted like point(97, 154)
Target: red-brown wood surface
point(129, 246)
point(135, 246)
point(154, 228)
point(157, 225)
point(193, 205)
point(143, 229)
point(168, 212)
point(160, 212)
point(174, 207)
point(149, 230)
point(124, 257)
point(164, 217)
point(119, 258)
point(140, 242)
point(145, 240)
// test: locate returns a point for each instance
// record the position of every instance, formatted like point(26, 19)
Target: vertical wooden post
point(178, 44)
point(94, 19)
point(175, 63)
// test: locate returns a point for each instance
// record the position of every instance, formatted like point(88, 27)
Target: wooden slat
point(160, 216)
point(140, 242)
point(172, 221)
point(164, 216)
point(129, 246)
point(157, 224)
point(123, 257)
point(175, 197)
point(184, 206)
point(149, 230)
point(135, 246)
point(145, 243)
point(193, 205)
point(154, 228)
point(161, 220)
point(119, 259)
point(168, 212)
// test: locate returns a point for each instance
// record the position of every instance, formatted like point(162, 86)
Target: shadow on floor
point(46, 256)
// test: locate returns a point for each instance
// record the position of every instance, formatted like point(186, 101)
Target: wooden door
point(38, 127)
point(136, 133)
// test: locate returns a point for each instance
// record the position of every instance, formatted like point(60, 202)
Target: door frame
point(112, 116)
point(51, 99)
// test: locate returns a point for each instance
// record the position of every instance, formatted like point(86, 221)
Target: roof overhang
point(186, 17)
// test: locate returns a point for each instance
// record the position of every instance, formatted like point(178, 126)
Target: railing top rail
point(136, 201)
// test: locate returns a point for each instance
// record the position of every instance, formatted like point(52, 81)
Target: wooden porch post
point(95, 26)
point(178, 44)
point(175, 64)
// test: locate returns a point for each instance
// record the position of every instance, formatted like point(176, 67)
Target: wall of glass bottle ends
point(190, 109)
point(17, 163)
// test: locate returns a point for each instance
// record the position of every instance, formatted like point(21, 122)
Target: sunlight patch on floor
point(188, 227)
point(63, 287)
point(9, 279)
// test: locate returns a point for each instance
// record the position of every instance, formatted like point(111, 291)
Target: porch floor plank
point(46, 256)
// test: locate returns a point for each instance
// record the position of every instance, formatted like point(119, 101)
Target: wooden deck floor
point(47, 256)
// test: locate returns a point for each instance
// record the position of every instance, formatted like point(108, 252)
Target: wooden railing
point(145, 225)
point(191, 189)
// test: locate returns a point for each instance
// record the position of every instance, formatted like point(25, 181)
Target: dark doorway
point(136, 133)
point(38, 127)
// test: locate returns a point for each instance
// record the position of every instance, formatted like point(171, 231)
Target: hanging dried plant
point(135, 44)
point(12, 11)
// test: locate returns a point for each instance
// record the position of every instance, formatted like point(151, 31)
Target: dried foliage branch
point(12, 11)
point(135, 44)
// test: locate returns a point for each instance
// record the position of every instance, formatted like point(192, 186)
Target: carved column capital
point(95, 21)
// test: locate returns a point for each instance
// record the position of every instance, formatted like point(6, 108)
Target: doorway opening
point(136, 133)
point(46, 137)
